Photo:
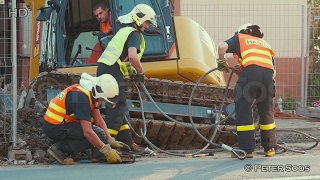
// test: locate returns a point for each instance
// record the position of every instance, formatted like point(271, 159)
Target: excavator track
point(164, 134)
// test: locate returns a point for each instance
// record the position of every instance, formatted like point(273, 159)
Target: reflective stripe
point(113, 132)
point(245, 127)
point(113, 51)
point(124, 127)
point(56, 111)
point(111, 57)
point(254, 50)
point(57, 108)
point(115, 47)
point(267, 126)
point(123, 68)
point(259, 59)
point(106, 59)
point(54, 116)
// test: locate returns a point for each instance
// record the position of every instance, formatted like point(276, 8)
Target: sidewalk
point(297, 123)
point(308, 126)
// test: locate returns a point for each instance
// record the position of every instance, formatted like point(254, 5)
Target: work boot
point(249, 155)
point(137, 149)
point(56, 152)
point(269, 152)
point(96, 155)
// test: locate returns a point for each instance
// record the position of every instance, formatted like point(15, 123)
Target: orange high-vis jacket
point(56, 112)
point(255, 51)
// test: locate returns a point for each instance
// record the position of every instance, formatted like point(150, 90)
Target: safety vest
point(114, 49)
point(254, 51)
point(56, 112)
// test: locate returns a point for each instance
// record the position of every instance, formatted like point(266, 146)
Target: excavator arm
point(36, 34)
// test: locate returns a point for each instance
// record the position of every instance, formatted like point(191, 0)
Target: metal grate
point(5, 78)
point(313, 50)
point(284, 27)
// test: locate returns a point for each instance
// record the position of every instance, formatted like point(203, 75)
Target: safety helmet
point(139, 14)
point(104, 86)
point(243, 27)
point(253, 30)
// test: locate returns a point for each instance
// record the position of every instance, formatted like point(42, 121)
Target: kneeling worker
point(74, 121)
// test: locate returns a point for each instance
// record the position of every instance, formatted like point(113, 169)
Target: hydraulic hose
point(217, 122)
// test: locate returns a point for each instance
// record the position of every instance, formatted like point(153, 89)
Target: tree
point(314, 53)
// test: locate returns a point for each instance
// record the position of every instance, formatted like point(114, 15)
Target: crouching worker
point(74, 121)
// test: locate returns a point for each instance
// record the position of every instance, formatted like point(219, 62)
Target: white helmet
point(139, 14)
point(243, 27)
point(253, 30)
point(104, 86)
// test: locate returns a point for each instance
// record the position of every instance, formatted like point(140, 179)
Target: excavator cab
point(179, 49)
point(76, 28)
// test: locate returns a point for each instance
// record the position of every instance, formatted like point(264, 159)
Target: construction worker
point(255, 85)
point(122, 58)
point(103, 15)
point(74, 121)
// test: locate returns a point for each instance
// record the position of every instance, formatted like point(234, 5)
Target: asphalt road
point(287, 165)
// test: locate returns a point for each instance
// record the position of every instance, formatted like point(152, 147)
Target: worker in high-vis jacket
point(255, 85)
point(122, 58)
point(74, 122)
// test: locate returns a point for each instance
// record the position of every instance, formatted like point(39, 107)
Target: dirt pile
point(30, 136)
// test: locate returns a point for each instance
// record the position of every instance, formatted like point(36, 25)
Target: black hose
point(194, 153)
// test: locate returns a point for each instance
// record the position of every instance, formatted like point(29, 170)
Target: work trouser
point(255, 85)
point(69, 137)
point(117, 125)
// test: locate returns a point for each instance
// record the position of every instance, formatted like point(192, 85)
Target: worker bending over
point(74, 121)
point(255, 85)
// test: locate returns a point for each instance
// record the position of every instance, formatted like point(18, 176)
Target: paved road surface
point(287, 165)
point(284, 166)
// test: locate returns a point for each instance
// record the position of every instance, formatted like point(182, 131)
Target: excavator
point(178, 53)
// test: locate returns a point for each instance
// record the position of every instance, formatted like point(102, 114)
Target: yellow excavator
point(178, 52)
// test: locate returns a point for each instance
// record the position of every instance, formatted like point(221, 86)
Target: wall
point(284, 24)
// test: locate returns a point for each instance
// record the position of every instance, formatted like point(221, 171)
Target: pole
point(308, 58)
point(14, 73)
point(302, 59)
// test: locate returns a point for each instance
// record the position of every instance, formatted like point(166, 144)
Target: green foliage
point(314, 54)
point(314, 2)
point(289, 103)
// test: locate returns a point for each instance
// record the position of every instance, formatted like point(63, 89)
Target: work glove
point(118, 144)
point(223, 65)
point(112, 155)
point(140, 77)
point(132, 71)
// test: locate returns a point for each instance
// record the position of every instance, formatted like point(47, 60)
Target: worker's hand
point(237, 69)
point(140, 77)
point(132, 71)
point(112, 155)
point(223, 65)
point(118, 144)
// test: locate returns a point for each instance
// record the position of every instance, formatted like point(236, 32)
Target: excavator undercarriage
point(172, 98)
